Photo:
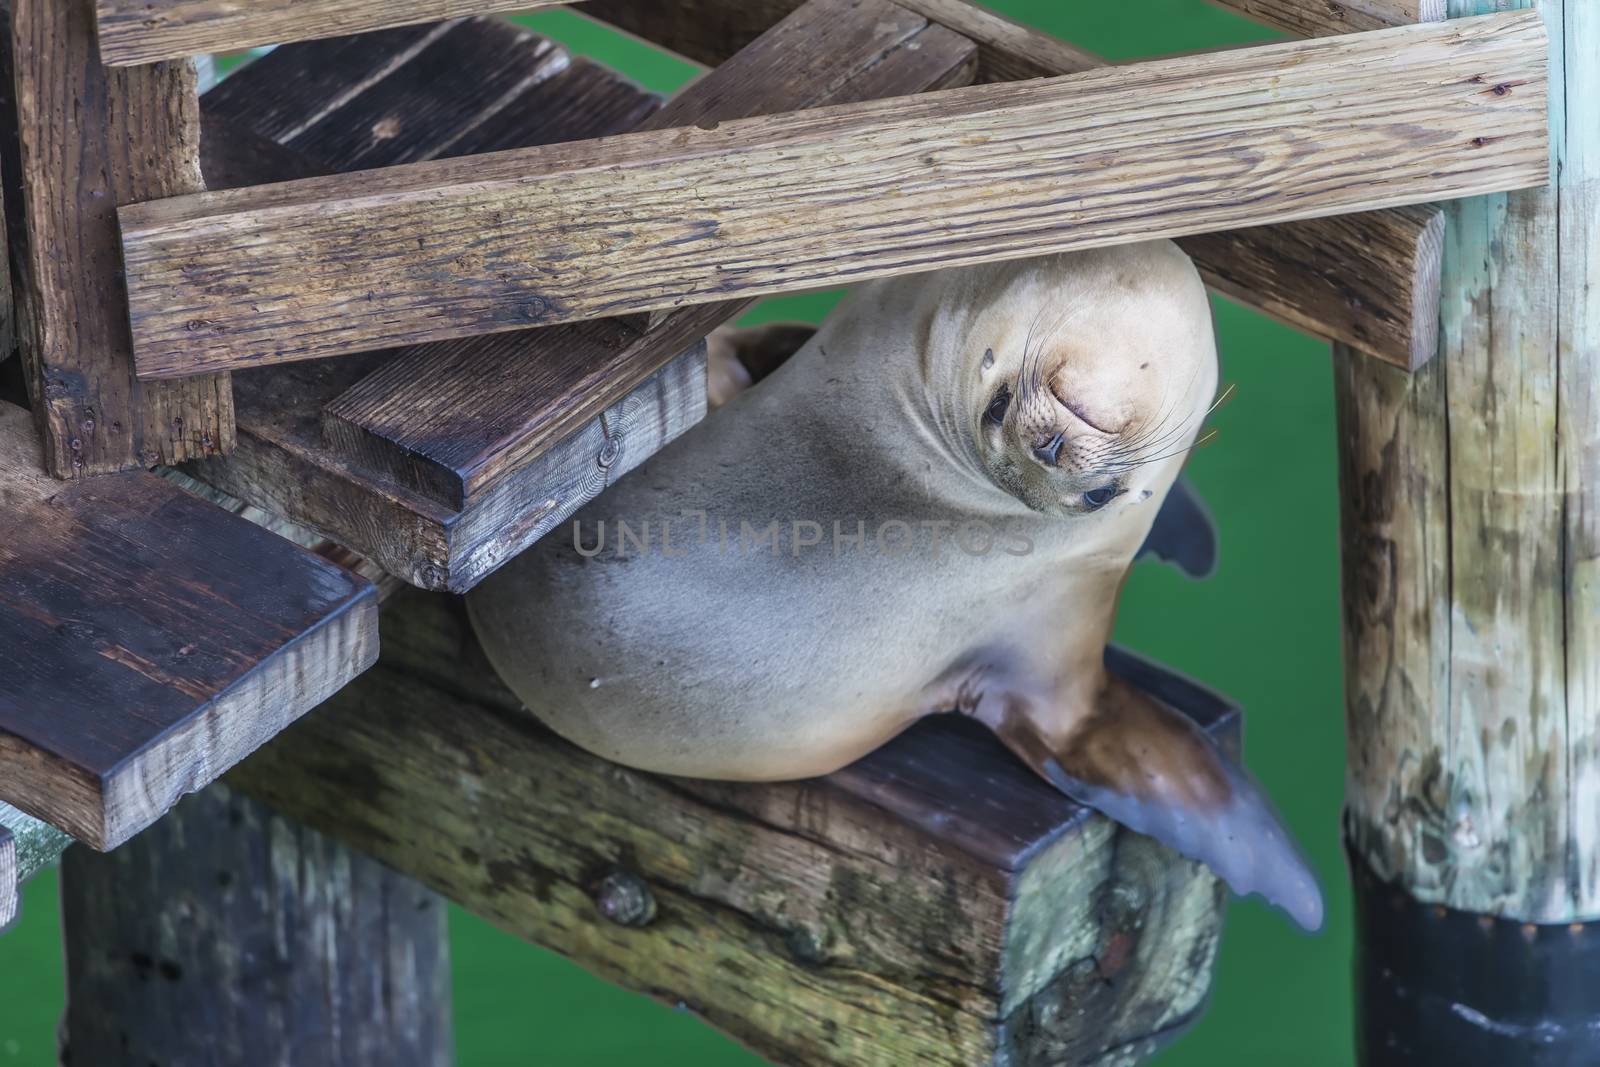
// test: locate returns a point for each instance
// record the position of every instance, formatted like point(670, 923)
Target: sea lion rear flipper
point(1183, 534)
point(1153, 770)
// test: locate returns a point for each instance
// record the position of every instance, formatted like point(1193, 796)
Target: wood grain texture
point(1322, 18)
point(228, 936)
point(1472, 550)
point(1369, 280)
point(92, 139)
point(148, 641)
point(451, 420)
point(143, 31)
point(282, 464)
point(657, 220)
point(933, 904)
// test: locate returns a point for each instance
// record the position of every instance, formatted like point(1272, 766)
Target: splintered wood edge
point(144, 31)
point(308, 670)
point(27, 846)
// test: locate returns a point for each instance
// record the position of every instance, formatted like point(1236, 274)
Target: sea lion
point(931, 507)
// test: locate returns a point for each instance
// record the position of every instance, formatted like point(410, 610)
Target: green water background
point(1264, 630)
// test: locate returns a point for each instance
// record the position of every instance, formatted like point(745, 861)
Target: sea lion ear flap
point(1183, 533)
point(1153, 770)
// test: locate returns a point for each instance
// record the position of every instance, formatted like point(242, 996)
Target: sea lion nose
point(1047, 449)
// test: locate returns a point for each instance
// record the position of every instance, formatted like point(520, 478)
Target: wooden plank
point(657, 220)
point(933, 904)
point(1369, 280)
point(92, 139)
point(143, 31)
point(27, 846)
point(451, 420)
point(229, 935)
point(149, 641)
point(1322, 18)
point(282, 463)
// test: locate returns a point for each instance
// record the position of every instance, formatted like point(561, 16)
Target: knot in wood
point(623, 898)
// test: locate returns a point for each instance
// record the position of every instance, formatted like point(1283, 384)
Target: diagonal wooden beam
point(91, 139)
point(1324, 18)
point(1369, 280)
point(454, 419)
point(143, 31)
point(932, 904)
point(658, 220)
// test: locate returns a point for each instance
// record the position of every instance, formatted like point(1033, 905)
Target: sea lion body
point(877, 439)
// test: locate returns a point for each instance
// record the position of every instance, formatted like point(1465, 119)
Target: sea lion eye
point(1095, 499)
point(997, 406)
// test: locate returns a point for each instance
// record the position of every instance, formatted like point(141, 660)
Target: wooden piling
point(1471, 544)
point(227, 935)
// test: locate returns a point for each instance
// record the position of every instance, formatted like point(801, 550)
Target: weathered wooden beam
point(144, 31)
point(27, 846)
point(92, 139)
point(228, 936)
point(657, 220)
point(933, 904)
point(323, 100)
point(1322, 18)
point(1369, 280)
point(1471, 546)
point(149, 641)
point(452, 420)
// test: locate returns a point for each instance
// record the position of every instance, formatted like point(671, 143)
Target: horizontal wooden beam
point(27, 846)
point(453, 419)
point(1369, 280)
point(1325, 18)
point(143, 31)
point(658, 220)
point(933, 904)
point(149, 641)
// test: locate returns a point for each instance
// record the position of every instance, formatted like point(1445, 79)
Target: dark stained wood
point(1369, 280)
point(93, 139)
point(149, 641)
point(141, 31)
point(229, 936)
point(933, 904)
point(450, 420)
point(667, 218)
point(282, 464)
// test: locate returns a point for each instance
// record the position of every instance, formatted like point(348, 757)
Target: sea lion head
point(1088, 378)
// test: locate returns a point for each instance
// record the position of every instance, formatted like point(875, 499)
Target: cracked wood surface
point(1471, 549)
point(661, 219)
point(92, 139)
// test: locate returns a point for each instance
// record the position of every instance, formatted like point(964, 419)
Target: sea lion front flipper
point(1183, 533)
point(1153, 770)
point(739, 356)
